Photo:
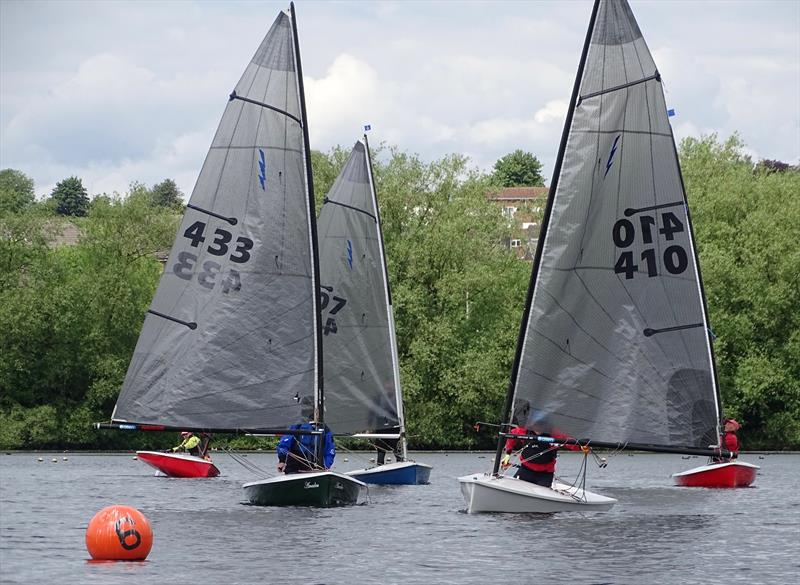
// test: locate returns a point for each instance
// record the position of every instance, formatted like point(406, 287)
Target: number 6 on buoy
point(119, 533)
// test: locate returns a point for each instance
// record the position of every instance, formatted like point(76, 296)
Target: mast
point(319, 408)
point(523, 328)
point(389, 309)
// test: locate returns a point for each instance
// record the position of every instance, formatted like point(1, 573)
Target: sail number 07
point(220, 246)
point(624, 233)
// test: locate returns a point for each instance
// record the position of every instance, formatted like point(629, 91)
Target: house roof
point(518, 194)
point(64, 233)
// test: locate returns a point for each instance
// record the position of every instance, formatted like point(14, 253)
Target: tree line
point(70, 315)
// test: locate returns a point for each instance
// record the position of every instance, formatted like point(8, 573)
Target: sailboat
point(362, 377)
point(614, 348)
point(232, 341)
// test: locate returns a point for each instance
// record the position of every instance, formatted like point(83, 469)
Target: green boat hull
point(318, 489)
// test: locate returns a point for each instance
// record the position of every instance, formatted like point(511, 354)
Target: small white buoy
point(55, 460)
point(134, 457)
point(346, 460)
point(40, 460)
point(372, 460)
point(64, 459)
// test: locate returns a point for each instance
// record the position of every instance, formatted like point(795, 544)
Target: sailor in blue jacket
point(297, 453)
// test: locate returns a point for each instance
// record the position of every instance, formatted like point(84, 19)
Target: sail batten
point(614, 344)
point(230, 338)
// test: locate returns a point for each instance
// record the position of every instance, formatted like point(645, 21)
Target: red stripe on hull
point(178, 465)
point(722, 476)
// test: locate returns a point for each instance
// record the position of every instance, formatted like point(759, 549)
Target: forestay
point(361, 385)
point(617, 346)
point(229, 341)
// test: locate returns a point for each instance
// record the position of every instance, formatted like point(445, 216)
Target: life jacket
point(539, 457)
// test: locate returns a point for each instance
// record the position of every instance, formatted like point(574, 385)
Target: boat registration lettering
point(186, 266)
point(310, 485)
point(326, 295)
point(624, 232)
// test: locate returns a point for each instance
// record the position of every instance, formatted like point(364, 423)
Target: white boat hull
point(488, 493)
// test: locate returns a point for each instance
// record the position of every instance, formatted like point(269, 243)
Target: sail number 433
point(675, 260)
point(221, 245)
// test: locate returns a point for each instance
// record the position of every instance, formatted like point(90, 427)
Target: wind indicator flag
point(670, 112)
point(367, 127)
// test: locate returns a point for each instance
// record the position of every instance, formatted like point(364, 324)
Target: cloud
point(120, 91)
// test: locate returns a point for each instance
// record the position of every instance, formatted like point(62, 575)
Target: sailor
point(728, 440)
point(298, 453)
point(537, 460)
point(190, 443)
point(385, 446)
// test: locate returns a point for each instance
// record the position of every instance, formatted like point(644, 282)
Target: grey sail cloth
point(617, 347)
point(234, 346)
point(360, 390)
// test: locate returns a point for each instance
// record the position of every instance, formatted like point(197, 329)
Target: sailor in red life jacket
point(537, 460)
point(729, 440)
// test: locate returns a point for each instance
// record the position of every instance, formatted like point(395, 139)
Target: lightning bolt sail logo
point(611, 156)
point(262, 170)
point(350, 253)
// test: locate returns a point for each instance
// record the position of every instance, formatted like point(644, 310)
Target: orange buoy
point(119, 533)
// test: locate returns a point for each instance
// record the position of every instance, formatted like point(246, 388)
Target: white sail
point(362, 385)
point(230, 340)
point(616, 344)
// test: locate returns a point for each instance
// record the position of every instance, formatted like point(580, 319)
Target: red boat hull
point(718, 475)
point(178, 464)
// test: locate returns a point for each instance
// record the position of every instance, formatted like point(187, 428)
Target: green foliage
point(457, 294)
point(71, 197)
point(70, 316)
point(166, 194)
point(325, 169)
point(518, 169)
point(748, 224)
point(16, 191)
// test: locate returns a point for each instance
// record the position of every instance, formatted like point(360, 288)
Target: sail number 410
point(624, 234)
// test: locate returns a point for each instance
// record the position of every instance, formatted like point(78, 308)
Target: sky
point(115, 92)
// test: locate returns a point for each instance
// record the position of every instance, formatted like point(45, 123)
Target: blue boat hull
point(404, 473)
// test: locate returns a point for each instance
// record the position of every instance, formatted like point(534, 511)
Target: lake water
point(405, 534)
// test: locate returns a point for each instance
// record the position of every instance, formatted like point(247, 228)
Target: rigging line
point(186, 287)
point(227, 389)
point(652, 416)
point(234, 341)
point(250, 466)
point(597, 153)
point(234, 96)
point(230, 220)
point(656, 76)
point(327, 200)
point(250, 174)
point(614, 322)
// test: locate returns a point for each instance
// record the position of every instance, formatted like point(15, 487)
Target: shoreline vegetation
point(77, 276)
